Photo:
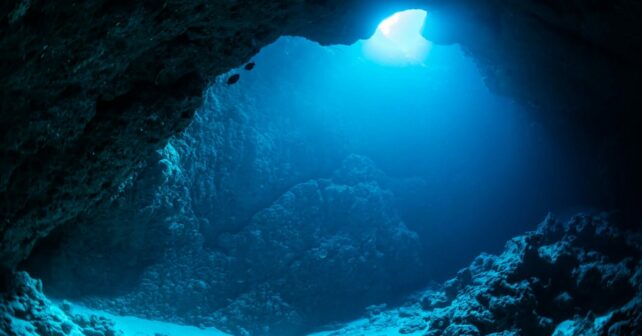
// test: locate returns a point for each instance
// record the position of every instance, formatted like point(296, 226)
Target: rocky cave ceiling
point(91, 88)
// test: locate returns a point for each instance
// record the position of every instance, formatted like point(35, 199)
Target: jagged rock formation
point(575, 278)
point(230, 163)
point(578, 278)
point(90, 90)
point(25, 311)
point(321, 251)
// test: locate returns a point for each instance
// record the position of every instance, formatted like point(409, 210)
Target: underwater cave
point(339, 168)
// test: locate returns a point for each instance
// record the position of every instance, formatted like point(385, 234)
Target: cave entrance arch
point(305, 162)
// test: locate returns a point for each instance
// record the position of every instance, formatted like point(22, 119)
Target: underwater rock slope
point(25, 311)
point(583, 277)
point(228, 165)
point(321, 251)
point(579, 278)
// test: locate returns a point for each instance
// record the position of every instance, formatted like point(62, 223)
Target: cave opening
point(398, 39)
point(320, 184)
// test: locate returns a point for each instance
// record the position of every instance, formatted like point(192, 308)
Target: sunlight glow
point(398, 39)
point(388, 24)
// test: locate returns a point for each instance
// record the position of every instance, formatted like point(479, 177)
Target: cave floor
point(135, 326)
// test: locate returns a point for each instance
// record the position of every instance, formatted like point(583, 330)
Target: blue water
point(489, 168)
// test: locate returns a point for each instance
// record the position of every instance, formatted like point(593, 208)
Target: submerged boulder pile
point(578, 278)
point(25, 311)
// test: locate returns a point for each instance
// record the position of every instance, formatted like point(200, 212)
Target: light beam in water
point(398, 39)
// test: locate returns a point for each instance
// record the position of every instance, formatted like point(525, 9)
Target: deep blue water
point(488, 168)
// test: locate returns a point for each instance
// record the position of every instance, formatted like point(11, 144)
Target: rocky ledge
point(582, 277)
point(91, 89)
point(25, 311)
point(578, 278)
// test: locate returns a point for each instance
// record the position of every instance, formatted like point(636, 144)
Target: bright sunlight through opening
point(398, 39)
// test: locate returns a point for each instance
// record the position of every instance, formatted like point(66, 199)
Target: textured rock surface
point(233, 161)
point(319, 252)
point(91, 89)
point(578, 278)
point(25, 311)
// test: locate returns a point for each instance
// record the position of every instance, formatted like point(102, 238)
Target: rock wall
point(575, 63)
point(232, 224)
point(578, 278)
point(320, 251)
point(234, 160)
point(178, 242)
point(91, 90)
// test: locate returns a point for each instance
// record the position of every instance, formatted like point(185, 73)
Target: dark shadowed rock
point(91, 90)
point(519, 293)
